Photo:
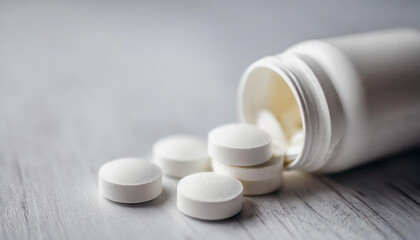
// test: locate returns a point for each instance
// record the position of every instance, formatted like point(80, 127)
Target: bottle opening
point(269, 100)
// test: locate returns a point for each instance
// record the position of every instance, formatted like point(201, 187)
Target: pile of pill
point(245, 152)
point(245, 159)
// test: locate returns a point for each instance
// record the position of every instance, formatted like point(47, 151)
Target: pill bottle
point(356, 98)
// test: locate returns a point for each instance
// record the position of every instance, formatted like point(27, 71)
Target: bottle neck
point(307, 81)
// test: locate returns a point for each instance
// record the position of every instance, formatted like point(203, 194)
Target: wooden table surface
point(84, 82)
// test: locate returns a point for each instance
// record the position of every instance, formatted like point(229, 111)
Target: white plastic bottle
point(356, 98)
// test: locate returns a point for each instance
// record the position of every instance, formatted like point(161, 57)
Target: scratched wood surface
point(84, 82)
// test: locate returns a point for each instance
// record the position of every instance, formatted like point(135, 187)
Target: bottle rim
point(317, 131)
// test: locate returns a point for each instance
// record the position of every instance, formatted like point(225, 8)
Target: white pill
point(209, 196)
point(256, 180)
point(268, 122)
point(240, 144)
point(258, 172)
point(293, 151)
point(263, 186)
point(130, 180)
point(298, 138)
point(181, 155)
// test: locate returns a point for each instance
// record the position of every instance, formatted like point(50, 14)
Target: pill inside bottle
point(268, 102)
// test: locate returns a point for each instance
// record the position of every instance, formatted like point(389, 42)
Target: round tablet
point(130, 180)
point(239, 144)
point(298, 137)
point(256, 180)
point(268, 122)
point(209, 196)
point(293, 151)
point(264, 171)
point(181, 155)
point(263, 186)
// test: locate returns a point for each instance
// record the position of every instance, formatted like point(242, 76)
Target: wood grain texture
point(85, 82)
